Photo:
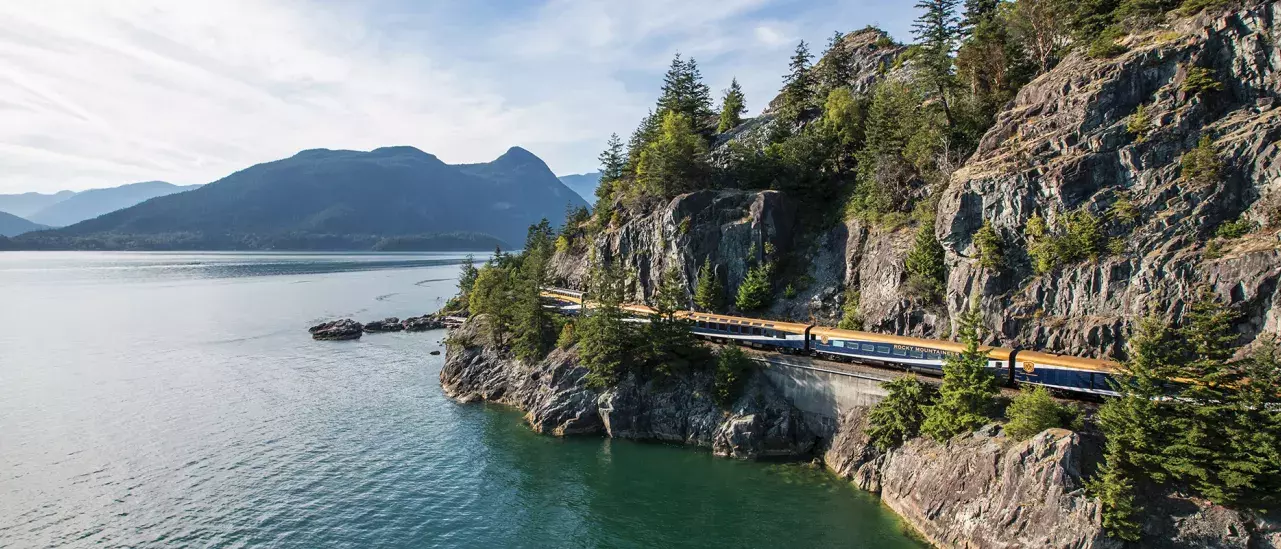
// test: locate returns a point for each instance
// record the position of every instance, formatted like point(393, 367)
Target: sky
point(101, 93)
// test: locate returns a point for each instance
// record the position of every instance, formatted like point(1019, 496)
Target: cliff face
point(557, 400)
point(1063, 145)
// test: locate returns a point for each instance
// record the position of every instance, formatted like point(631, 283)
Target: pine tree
point(968, 390)
point(607, 345)
point(1252, 458)
point(733, 105)
point(837, 65)
point(990, 248)
point(924, 264)
point(897, 418)
point(936, 33)
point(613, 163)
point(467, 274)
point(670, 339)
point(675, 161)
point(532, 324)
point(644, 134)
point(798, 85)
point(710, 294)
point(977, 13)
point(684, 92)
point(755, 292)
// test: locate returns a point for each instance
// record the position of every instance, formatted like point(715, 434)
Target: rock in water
point(433, 353)
point(337, 330)
point(423, 323)
point(389, 324)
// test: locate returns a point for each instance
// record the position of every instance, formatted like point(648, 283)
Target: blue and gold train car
point(910, 353)
point(767, 334)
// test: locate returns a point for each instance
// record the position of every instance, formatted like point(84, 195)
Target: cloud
point(103, 93)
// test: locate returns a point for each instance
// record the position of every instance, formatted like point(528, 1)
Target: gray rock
point(337, 330)
point(390, 324)
point(423, 323)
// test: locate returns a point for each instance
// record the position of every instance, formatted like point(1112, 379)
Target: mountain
point(25, 204)
point(12, 225)
point(93, 203)
point(583, 183)
point(388, 198)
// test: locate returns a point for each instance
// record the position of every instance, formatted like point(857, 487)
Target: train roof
point(742, 321)
point(938, 344)
point(1069, 361)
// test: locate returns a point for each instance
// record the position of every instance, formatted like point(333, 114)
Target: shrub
point(1234, 229)
point(1107, 44)
point(1199, 80)
point(562, 244)
point(897, 418)
point(851, 318)
point(732, 370)
point(1124, 211)
point(1193, 7)
point(1117, 246)
point(1213, 250)
point(567, 338)
point(1139, 123)
point(1034, 411)
point(1202, 164)
point(991, 250)
point(789, 292)
point(1080, 238)
point(709, 295)
point(754, 293)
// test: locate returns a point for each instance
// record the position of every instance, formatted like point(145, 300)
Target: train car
point(910, 353)
point(1067, 373)
point(787, 336)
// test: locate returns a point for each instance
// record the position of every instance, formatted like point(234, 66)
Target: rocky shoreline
point(978, 490)
point(348, 329)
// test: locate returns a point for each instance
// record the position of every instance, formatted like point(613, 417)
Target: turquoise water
point(176, 400)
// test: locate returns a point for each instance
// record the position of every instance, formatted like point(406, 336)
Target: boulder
point(389, 324)
point(337, 330)
point(423, 323)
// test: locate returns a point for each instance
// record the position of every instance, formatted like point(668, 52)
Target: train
point(1014, 367)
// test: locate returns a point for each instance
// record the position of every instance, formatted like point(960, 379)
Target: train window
point(838, 343)
point(723, 328)
point(869, 347)
point(756, 331)
point(780, 335)
point(916, 353)
point(899, 351)
point(883, 349)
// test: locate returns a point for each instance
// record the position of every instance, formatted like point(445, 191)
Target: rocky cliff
point(1067, 143)
point(984, 490)
point(557, 399)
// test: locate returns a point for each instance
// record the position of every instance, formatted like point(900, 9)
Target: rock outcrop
point(557, 399)
point(389, 324)
point(337, 330)
point(1066, 143)
point(423, 323)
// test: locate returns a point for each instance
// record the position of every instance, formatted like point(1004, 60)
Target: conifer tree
point(798, 85)
point(897, 418)
point(755, 291)
point(675, 161)
point(936, 33)
point(924, 264)
point(968, 390)
point(532, 324)
point(669, 337)
point(710, 294)
point(733, 105)
point(684, 92)
point(990, 248)
point(613, 162)
point(606, 340)
point(837, 64)
point(977, 13)
point(467, 274)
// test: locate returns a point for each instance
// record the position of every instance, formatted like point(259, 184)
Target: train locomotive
point(1012, 366)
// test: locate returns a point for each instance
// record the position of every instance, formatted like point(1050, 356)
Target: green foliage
point(491, 294)
point(1124, 211)
point(903, 140)
point(755, 292)
point(733, 368)
point(968, 391)
point(844, 117)
point(567, 337)
point(613, 163)
point(926, 272)
point(1080, 238)
point(1038, 28)
point(671, 343)
point(1202, 164)
point(991, 248)
point(709, 295)
point(562, 244)
point(606, 342)
point(733, 105)
point(1139, 123)
point(1200, 80)
point(1193, 7)
point(532, 325)
point(937, 31)
point(467, 273)
point(798, 86)
point(897, 418)
point(851, 318)
point(1115, 490)
point(1034, 411)
point(684, 93)
point(1107, 44)
point(675, 161)
point(789, 292)
point(1235, 229)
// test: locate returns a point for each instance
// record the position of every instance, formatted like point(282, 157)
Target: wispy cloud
point(103, 93)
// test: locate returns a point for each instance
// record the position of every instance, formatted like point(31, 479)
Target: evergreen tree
point(710, 294)
point(613, 162)
point(897, 418)
point(607, 344)
point(733, 105)
point(977, 13)
point(754, 293)
point(671, 341)
point(532, 325)
point(798, 85)
point(467, 274)
point(675, 161)
point(936, 33)
point(990, 248)
point(644, 134)
point(1251, 462)
point(968, 390)
point(924, 264)
point(685, 93)
point(837, 65)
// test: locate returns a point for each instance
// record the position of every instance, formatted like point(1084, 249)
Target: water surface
point(176, 400)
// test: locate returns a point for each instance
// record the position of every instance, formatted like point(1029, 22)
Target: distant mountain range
point(390, 198)
point(584, 184)
point(93, 203)
point(25, 204)
point(12, 225)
